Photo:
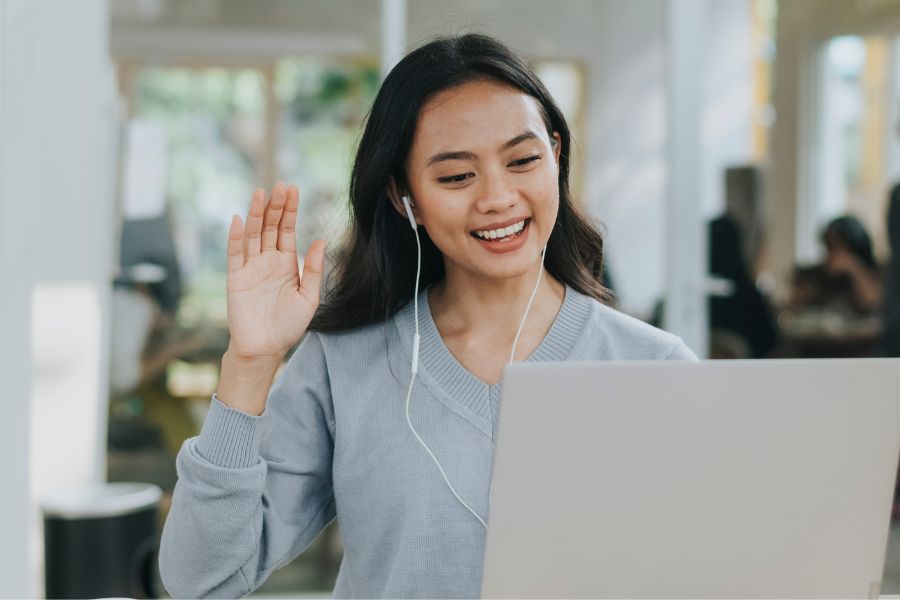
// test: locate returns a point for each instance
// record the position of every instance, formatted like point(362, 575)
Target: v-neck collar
point(439, 369)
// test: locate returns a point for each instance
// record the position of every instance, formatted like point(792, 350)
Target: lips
point(509, 229)
point(508, 244)
point(501, 224)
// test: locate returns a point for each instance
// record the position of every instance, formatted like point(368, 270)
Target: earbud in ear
point(409, 213)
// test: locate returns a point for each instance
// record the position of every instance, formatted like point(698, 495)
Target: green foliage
point(216, 123)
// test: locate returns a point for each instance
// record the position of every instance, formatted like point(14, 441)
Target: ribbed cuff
point(229, 438)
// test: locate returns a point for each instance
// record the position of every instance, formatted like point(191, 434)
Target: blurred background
point(742, 156)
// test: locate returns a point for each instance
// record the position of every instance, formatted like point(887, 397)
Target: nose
point(496, 193)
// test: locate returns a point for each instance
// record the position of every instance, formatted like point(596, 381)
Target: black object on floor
point(101, 541)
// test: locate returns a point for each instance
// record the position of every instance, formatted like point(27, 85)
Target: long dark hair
point(373, 276)
point(852, 233)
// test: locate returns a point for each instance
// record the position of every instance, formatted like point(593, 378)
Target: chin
point(509, 267)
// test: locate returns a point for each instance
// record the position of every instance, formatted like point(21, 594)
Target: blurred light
point(185, 380)
point(766, 9)
point(847, 55)
point(767, 283)
point(765, 115)
point(766, 50)
point(563, 80)
point(144, 178)
point(66, 401)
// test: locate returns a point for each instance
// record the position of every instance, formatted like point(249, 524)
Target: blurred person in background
point(849, 279)
point(741, 319)
point(891, 342)
point(742, 323)
point(145, 339)
point(834, 309)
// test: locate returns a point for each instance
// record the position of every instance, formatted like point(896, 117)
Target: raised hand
point(269, 304)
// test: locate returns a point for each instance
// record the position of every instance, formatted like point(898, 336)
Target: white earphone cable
point(528, 307)
point(415, 364)
point(415, 369)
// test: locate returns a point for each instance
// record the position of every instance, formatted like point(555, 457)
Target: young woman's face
point(483, 175)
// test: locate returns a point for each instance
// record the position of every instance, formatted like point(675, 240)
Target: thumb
point(313, 266)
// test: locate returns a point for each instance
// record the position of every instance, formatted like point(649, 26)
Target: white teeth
point(502, 232)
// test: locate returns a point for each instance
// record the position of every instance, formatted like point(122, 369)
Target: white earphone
point(415, 352)
point(409, 212)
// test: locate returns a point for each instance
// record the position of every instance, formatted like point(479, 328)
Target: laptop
point(721, 479)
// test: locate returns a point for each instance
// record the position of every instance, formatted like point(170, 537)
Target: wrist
point(244, 382)
point(251, 366)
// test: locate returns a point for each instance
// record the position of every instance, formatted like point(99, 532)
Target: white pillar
point(57, 127)
point(19, 178)
point(393, 33)
point(685, 230)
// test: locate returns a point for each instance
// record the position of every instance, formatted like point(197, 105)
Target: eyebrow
point(465, 155)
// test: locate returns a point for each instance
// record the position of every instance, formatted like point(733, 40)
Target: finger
point(253, 227)
point(287, 241)
point(313, 265)
point(235, 244)
point(272, 217)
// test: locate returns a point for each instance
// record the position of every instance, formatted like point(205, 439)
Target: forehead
point(476, 115)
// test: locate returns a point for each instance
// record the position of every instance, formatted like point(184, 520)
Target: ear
point(557, 148)
point(396, 195)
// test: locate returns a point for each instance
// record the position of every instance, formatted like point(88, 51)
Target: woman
point(850, 255)
point(466, 133)
point(850, 278)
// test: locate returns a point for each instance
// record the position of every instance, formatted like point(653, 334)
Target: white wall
point(626, 165)
point(56, 252)
point(727, 111)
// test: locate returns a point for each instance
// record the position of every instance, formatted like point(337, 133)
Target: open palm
point(269, 304)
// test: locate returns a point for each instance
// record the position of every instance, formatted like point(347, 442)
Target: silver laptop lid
point(716, 479)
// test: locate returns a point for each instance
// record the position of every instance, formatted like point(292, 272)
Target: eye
point(524, 161)
point(455, 178)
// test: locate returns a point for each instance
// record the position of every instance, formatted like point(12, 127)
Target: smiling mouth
point(500, 236)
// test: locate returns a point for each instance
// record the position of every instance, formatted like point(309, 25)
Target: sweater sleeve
point(252, 492)
point(680, 351)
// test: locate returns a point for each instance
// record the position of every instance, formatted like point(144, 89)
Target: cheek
point(549, 208)
point(446, 215)
point(549, 189)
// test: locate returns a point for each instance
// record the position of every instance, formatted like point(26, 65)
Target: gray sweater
point(333, 442)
